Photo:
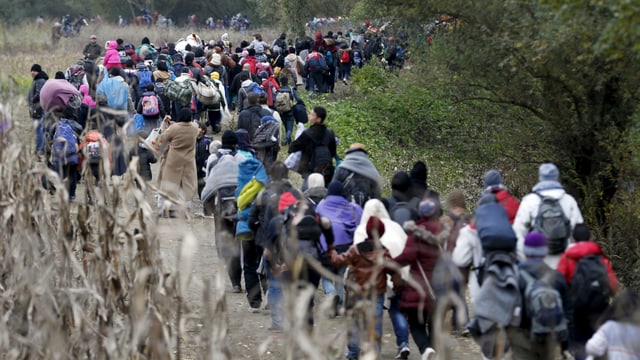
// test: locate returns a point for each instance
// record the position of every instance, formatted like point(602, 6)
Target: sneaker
point(403, 352)
point(430, 353)
point(236, 289)
point(254, 310)
point(277, 329)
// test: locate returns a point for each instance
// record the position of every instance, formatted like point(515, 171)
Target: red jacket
point(424, 241)
point(569, 260)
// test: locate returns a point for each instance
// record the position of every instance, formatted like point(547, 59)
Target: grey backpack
point(553, 223)
point(544, 307)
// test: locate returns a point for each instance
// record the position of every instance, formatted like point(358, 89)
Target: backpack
point(590, 286)
point(284, 101)
point(357, 59)
point(329, 60)
point(75, 75)
point(159, 88)
point(144, 79)
point(553, 223)
point(94, 152)
point(345, 58)
point(208, 94)
point(494, 230)
point(321, 161)
point(226, 206)
point(150, 105)
point(308, 230)
point(508, 202)
point(403, 211)
point(64, 150)
point(357, 189)
point(254, 88)
point(544, 307)
point(180, 92)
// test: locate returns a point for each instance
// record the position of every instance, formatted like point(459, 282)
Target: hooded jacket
point(357, 161)
point(33, 96)
point(575, 252)
point(249, 170)
point(112, 57)
point(425, 239)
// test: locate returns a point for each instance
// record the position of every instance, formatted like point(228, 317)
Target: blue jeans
point(398, 321)
point(288, 121)
point(275, 299)
point(354, 332)
point(39, 137)
point(331, 289)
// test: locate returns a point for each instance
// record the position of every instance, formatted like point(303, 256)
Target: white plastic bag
point(293, 160)
point(154, 140)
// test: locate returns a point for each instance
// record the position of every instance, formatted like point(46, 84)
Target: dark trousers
point(69, 172)
point(253, 282)
point(420, 329)
point(215, 118)
point(229, 250)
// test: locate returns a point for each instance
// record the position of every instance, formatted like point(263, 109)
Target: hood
point(224, 37)
point(113, 45)
point(84, 89)
point(422, 231)
point(547, 185)
point(246, 83)
point(317, 192)
point(374, 207)
point(394, 237)
point(358, 161)
point(581, 249)
point(41, 75)
point(555, 193)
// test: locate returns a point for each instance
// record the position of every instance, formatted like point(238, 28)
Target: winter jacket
point(249, 119)
point(221, 172)
point(421, 252)
point(178, 169)
point(575, 252)
point(618, 340)
point(368, 266)
point(344, 216)
point(265, 208)
point(468, 251)
point(116, 91)
point(528, 210)
point(33, 96)
point(112, 57)
point(86, 99)
point(315, 134)
point(92, 51)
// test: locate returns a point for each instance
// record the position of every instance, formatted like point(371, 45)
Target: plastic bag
point(154, 140)
point(293, 160)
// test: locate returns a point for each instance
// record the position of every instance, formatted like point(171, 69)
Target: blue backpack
point(144, 79)
point(255, 88)
point(64, 150)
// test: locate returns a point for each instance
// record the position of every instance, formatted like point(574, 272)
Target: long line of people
point(265, 228)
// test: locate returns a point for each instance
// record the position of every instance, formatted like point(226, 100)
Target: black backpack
point(226, 205)
point(321, 161)
point(357, 189)
point(403, 211)
point(590, 286)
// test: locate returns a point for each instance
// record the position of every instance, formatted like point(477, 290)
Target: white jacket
point(528, 211)
point(468, 251)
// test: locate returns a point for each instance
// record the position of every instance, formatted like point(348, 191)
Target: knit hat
point(335, 188)
point(263, 74)
point(535, 245)
point(581, 233)
point(286, 199)
point(492, 178)
point(548, 172)
point(145, 40)
point(216, 59)
point(229, 139)
point(244, 139)
point(400, 181)
point(36, 67)
point(215, 75)
point(315, 180)
point(419, 171)
point(428, 208)
point(375, 228)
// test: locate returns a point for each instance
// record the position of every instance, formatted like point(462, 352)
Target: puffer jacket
point(368, 266)
point(575, 252)
point(425, 239)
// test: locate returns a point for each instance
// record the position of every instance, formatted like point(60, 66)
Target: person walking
point(35, 109)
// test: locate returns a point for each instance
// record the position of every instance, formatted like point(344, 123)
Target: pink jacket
point(112, 58)
point(86, 99)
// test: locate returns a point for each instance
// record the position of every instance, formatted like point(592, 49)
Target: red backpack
point(346, 57)
point(508, 202)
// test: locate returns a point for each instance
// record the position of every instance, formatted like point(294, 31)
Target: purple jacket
point(345, 218)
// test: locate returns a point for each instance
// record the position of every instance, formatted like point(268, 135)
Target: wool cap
point(581, 233)
point(455, 199)
point(286, 199)
point(548, 172)
point(535, 245)
point(36, 67)
point(315, 180)
point(216, 59)
point(375, 228)
point(93, 37)
point(400, 181)
point(229, 138)
point(335, 188)
point(492, 178)
point(428, 208)
point(145, 40)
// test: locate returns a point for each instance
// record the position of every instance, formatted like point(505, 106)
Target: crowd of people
point(536, 277)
